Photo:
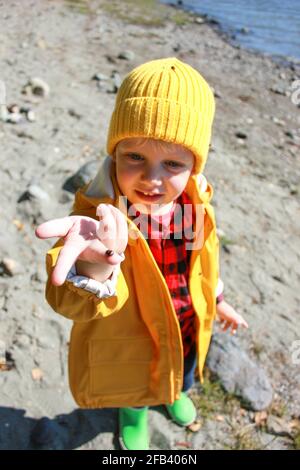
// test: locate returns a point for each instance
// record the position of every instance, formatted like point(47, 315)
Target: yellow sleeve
point(78, 304)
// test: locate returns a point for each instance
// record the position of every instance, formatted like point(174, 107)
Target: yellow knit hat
point(165, 99)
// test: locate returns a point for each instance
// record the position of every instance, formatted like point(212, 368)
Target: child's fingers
point(234, 328)
point(67, 257)
point(113, 230)
point(244, 324)
point(241, 322)
point(122, 231)
point(106, 231)
point(226, 325)
point(54, 228)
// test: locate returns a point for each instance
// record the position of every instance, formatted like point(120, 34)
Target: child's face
point(152, 171)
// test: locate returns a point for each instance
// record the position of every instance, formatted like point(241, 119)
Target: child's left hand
point(229, 318)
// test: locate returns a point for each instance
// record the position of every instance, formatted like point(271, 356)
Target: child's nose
point(152, 174)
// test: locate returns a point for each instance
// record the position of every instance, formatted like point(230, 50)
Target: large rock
point(237, 373)
point(83, 176)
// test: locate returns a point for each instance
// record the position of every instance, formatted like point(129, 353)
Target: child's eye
point(135, 157)
point(173, 164)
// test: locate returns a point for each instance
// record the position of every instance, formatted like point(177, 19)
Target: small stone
point(14, 118)
point(290, 134)
point(116, 79)
point(23, 340)
point(194, 427)
point(38, 87)
point(30, 115)
point(278, 90)
point(126, 55)
point(277, 121)
point(278, 426)
point(45, 342)
point(199, 20)
point(14, 108)
point(41, 43)
point(294, 190)
point(216, 93)
point(18, 224)
point(177, 48)
point(38, 193)
point(100, 77)
point(241, 135)
point(10, 267)
point(260, 418)
point(221, 233)
point(101, 85)
point(220, 418)
point(37, 374)
point(74, 113)
point(83, 176)
point(244, 30)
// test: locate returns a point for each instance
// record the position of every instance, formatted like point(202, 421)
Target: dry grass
point(141, 12)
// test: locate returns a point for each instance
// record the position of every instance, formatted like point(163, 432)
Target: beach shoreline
point(229, 35)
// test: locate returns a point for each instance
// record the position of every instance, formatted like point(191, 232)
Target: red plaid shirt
point(167, 236)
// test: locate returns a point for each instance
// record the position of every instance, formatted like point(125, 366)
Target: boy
point(142, 327)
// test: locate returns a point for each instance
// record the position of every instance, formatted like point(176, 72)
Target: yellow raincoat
point(126, 350)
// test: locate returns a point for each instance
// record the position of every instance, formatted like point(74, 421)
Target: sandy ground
point(254, 166)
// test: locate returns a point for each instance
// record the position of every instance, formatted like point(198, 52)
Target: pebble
point(83, 176)
point(100, 77)
point(199, 20)
point(10, 267)
point(14, 108)
point(30, 115)
point(279, 122)
point(37, 87)
point(278, 426)
point(241, 135)
point(116, 79)
point(244, 30)
point(126, 55)
point(38, 193)
point(14, 118)
point(23, 341)
point(278, 90)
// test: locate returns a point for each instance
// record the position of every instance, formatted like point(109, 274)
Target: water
point(271, 26)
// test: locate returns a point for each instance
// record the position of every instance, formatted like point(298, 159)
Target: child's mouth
point(148, 197)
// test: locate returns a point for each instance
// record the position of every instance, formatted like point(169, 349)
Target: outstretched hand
point(229, 318)
point(87, 239)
